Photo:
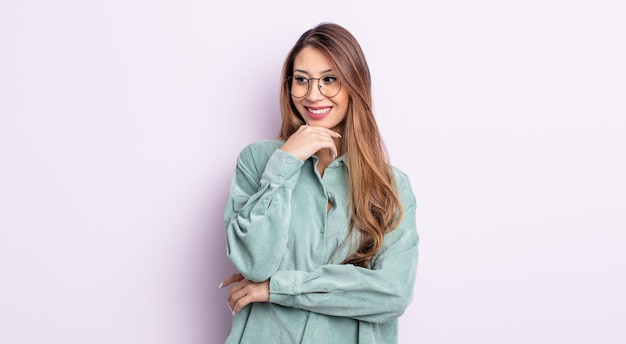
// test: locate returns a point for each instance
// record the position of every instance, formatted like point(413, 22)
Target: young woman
point(320, 226)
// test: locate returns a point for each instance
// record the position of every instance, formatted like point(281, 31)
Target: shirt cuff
point(282, 168)
point(284, 286)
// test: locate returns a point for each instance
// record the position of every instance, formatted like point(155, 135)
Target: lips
point(318, 112)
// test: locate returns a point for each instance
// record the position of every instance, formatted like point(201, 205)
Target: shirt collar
point(338, 161)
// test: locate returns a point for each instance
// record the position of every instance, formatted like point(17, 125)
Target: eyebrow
point(305, 72)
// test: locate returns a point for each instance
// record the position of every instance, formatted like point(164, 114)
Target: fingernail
point(334, 155)
point(221, 285)
point(230, 309)
point(233, 313)
point(338, 135)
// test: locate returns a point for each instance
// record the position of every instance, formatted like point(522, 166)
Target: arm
point(258, 212)
point(379, 294)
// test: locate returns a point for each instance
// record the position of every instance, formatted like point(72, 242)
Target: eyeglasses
point(299, 86)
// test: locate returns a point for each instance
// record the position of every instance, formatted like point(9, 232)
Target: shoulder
point(256, 154)
point(260, 149)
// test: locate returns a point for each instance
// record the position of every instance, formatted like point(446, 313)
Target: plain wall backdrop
point(120, 123)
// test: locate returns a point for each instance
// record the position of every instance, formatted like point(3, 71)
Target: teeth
point(320, 111)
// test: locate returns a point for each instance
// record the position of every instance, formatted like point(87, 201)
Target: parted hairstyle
point(375, 207)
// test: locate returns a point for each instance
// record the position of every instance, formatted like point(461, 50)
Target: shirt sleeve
point(375, 295)
point(258, 212)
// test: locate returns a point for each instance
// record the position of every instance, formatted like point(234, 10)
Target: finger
point(230, 309)
point(243, 301)
point(308, 140)
point(335, 134)
point(323, 134)
point(232, 279)
point(331, 133)
point(236, 288)
point(237, 293)
point(329, 143)
point(252, 292)
point(326, 140)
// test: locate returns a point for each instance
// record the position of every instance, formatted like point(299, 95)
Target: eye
point(300, 80)
point(329, 80)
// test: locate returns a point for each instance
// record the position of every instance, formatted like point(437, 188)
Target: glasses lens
point(329, 86)
point(299, 86)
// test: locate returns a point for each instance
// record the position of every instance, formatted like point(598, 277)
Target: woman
point(320, 226)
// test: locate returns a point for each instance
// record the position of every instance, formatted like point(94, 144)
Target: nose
point(314, 91)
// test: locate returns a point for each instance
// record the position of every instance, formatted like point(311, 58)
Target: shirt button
point(279, 178)
point(322, 230)
point(288, 161)
point(276, 287)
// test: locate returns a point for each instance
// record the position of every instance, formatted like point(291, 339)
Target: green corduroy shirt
point(279, 228)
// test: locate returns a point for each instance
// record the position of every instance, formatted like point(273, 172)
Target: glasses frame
point(289, 81)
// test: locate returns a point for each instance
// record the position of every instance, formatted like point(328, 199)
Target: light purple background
point(120, 122)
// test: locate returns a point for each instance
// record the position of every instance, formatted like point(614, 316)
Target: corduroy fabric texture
point(279, 228)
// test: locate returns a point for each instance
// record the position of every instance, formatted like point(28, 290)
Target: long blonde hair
point(375, 207)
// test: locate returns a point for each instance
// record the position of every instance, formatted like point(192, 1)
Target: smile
point(320, 111)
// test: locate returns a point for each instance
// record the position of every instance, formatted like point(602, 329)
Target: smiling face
point(315, 108)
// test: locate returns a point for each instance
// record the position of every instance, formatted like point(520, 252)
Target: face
point(315, 108)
